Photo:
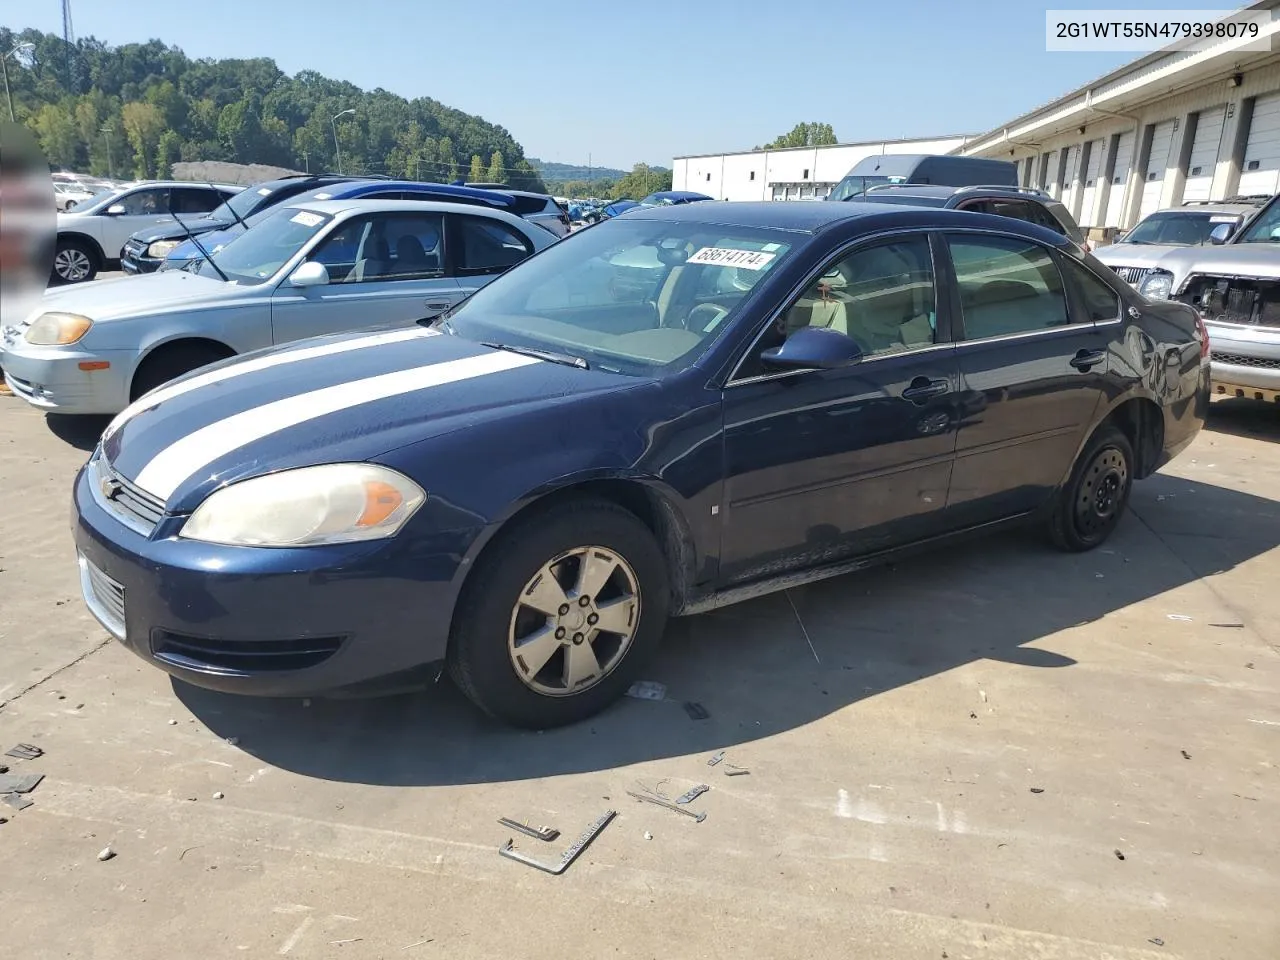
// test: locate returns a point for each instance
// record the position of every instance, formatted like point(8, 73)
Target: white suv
point(91, 235)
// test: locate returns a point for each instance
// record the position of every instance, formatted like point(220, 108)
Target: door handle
point(440, 305)
point(1084, 360)
point(922, 389)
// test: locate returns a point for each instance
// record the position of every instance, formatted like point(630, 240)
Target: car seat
point(411, 258)
point(376, 263)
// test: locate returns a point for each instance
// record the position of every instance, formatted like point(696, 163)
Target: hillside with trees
point(135, 110)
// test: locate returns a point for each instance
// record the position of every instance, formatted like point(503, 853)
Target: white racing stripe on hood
point(171, 466)
point(256, 364)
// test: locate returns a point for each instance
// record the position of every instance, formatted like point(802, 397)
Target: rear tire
point(170, 362)
point(1089, 507)
point(531, 644)
point(75, 261)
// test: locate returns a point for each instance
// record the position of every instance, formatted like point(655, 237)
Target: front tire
point(170, 362)
point(1089, 507)
point(75, 261)
point(560, 616)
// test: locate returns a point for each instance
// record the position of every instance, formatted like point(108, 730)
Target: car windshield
point(257, 255)
point(1177, 229)
point(1266, 228)
point(855, 186)
point(639, 297)
point(653, 200)
point(243, 203)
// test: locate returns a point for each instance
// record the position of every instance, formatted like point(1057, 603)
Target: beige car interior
point(882, 298)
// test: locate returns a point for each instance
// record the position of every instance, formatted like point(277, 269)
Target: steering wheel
point(705, 317)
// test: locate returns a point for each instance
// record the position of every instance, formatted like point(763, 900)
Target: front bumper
point(51, 378)
point(1245, 361)
point(136, 263)
point(263, 621)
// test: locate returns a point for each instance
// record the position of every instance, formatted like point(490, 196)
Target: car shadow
point(82, 432)
point(1245, 418)
point(779, 662)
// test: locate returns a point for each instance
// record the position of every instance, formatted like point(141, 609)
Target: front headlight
point(334, 503)
point(57, 329)
point(161, 249)
point(1158, 285)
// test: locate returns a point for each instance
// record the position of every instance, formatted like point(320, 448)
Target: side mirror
point(115, 210)
point(310, 274)
point(1221, 233)
point(813, 348)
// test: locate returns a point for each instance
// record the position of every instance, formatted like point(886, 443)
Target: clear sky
point(626, 81)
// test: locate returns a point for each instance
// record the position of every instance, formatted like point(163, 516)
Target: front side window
point(642, 297)
point(1266, 228)
point(1007, 286)
point(382, 247)
point(256, 255)
point(145, 203)
point(882, 297)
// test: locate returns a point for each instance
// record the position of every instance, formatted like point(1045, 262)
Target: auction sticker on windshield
point(727, 257)
point(306, 219)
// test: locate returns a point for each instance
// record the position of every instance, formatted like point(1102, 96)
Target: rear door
point(482, 248)
point(1033, 371)
point(384, 268)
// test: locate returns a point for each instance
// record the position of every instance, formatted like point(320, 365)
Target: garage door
point(1097, 152)
point(1261, 170)
point(1049, 172)
point(1119, 180)
point(1069, 176)
point(1204, 153)
point(1161, 139)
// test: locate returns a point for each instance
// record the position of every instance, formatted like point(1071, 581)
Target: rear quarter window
point(524, 206)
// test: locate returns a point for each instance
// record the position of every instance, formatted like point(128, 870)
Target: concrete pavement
point(945, 757)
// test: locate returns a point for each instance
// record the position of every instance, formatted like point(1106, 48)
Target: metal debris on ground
point(668, 805)
point(218, 795)
point(19, 782)
point(1156, 940)
point(1185, 755)
point(538, 833)
point(732, 771)
point(1238, 626)
point(696, 711)
point(4, 768)
point(647, 690)
point(1037, 789)
point(106, 853)
point(693, 793)
point(1178, 616)
point(18, 801)
point(569, 855)
point(1119, 855)
point(648, 835)
point(25, 751)
point(716, 759)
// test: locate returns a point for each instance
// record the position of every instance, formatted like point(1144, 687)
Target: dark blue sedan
point(682, 408)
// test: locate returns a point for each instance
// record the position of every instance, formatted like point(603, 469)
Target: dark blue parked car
point(376, 189)
point(146, 250)
point(681, 408)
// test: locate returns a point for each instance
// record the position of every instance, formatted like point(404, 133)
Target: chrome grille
point(1132, 275)
point(1235, 359)
point(134, 249)
point(131, 505)
point(103, 596)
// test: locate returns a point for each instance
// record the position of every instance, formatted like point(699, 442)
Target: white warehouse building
point(790, 173)
point(1166, 129)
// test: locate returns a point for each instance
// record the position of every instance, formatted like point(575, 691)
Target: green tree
point(168, 152)
point(497, 169)
point(804, 135)
point(55, 127)
point(640, 182)
point(448, 160)
point(477, 170)
point(143, 125)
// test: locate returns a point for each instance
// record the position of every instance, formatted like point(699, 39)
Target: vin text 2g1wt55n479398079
point(691, 405)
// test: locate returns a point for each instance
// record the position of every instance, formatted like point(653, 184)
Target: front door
point(821, 465)
point(1033, 369)
point(384, 268)
point(142, 208)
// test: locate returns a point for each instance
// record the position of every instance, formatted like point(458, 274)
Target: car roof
point(681, 195)
point(945, 192)
point(801, 217)
point(357, 205)
point(354, 188)
point(1243, 209)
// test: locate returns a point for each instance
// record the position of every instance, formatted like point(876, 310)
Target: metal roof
point(832, 146)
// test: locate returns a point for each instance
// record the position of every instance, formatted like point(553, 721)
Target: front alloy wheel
point(574, 621)
point(560, 614)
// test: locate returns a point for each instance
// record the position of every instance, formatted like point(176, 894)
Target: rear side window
point(1101, 303)
point(193, 200)
point(1007, 286)
point(524, 206)
point(488, 246)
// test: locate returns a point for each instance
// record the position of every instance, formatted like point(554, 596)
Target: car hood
point(210, 241)
point(172, 231)
point(1229, 259)
point(1144, 255)
point(342, 398)
point(149, 294)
